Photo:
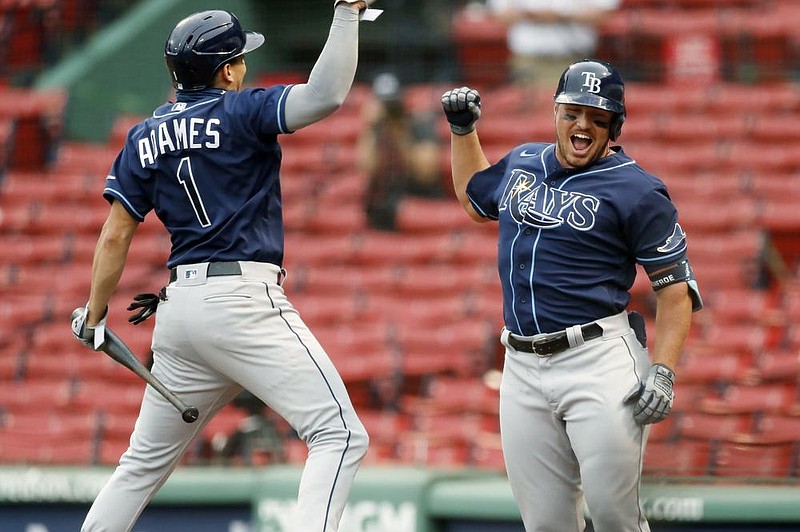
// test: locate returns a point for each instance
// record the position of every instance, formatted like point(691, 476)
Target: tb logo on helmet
point(591, 82)
point(597, 84)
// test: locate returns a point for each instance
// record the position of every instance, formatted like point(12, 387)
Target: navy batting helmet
point(203, 42)
point(595, 84)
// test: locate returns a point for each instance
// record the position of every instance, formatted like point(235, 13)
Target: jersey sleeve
point(124, 183)
point(484, 189)
point(263, 110)
point(657, 238)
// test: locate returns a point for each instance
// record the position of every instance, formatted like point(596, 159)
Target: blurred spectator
point(257, 435)
point(545, 35)
point(400, 152)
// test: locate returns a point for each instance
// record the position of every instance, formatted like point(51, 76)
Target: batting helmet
point(203, 42)
point(595, 84)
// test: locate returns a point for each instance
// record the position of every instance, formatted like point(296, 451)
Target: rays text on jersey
point(177, 135)
point(530, 201)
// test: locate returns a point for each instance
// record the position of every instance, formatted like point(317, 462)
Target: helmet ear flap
point(615, 128)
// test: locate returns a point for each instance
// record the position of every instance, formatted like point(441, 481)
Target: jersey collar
point(556, 171)
point(193, 96)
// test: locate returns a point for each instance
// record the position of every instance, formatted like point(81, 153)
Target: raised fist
point(462, 107)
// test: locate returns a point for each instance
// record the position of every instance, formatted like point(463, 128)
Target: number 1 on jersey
point(186, 178)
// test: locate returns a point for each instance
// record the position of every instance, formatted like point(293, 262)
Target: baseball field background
point(410, 317)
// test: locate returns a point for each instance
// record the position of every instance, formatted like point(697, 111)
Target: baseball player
point(575, 217)
point(208, 165)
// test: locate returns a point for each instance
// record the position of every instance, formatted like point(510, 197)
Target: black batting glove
point(146, 304)
point(462, 107)
point(652, 398)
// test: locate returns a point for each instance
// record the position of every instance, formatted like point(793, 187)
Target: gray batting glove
point(92, 337)
point(462, 107)
point(654, 396)
point(365, 12)
point(337, 2)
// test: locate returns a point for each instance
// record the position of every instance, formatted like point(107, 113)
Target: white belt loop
point(575, 336)
point(504, 334)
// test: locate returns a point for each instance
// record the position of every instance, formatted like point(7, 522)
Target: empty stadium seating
point(418, 311)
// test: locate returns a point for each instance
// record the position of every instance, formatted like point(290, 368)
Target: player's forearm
point(467, 158)
point(673, 319)
point(332, 76)
point(110, 255)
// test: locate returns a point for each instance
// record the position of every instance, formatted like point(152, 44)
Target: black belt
point(215, 269)
point(554, 343)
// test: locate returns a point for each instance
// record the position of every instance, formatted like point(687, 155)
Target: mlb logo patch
point(190, 274)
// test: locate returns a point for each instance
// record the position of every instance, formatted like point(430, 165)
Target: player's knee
point(352, 436)
point(359, 440)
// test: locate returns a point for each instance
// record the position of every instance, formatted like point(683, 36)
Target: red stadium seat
point(110, 450)
point(383, 426)
point(88, 159)
point(459, 336)
point(707, 187)
point(729, 246)
point(31, 250)
point(60, 424)
point(780, 214)
point(460, 426)
point(46, 448)
point(741, 399)
point(487, 453)
point(18, 311)
point(741, 460)
point(458, 394)
point(724, 367)
point(109, 396)
point(738, 214)
point(708, 427)
point(742, 338)
point(24, 396)
point(432, 450)
point(665, 430)
point(684, 458)
point(736, 306)
point(367, 366)
point(777, 366)
point(421, 215)
point(47, 187)
point(774, 429)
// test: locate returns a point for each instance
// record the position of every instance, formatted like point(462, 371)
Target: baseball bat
point(120, 352)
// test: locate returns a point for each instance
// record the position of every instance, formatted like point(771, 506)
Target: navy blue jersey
point(208, 165)
point(569, 239)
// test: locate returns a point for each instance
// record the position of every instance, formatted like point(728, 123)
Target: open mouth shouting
point(581, 143)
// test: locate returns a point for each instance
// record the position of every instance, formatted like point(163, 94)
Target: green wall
point(121, 69)
point(414, 499)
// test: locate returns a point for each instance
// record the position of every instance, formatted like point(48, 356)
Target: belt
point(215, 269)
point(554, 343)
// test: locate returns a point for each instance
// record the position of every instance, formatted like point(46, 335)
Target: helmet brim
point(591, 100)
point(253, 41)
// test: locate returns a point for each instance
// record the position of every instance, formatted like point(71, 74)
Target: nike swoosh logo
point(524, 153)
